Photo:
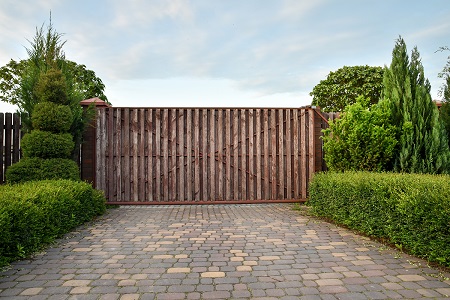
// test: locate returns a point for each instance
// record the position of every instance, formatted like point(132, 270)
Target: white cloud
point(143, 12)
point(298, 8)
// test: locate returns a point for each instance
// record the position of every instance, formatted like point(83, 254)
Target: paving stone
point(218, 252)
point(31, 291)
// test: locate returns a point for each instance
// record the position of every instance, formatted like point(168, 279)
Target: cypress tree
point(423, 145)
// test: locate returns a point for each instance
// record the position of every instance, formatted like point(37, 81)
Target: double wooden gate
point(204, 155)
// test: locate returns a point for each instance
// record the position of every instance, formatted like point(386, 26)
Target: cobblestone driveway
point(219, 252)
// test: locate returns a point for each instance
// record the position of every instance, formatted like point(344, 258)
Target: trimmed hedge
point(33, 214)
point(410, 211)
point(48, 116)
point(45, 144)
point(35, 168)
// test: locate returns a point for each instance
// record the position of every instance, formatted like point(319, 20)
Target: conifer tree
point(423, 145)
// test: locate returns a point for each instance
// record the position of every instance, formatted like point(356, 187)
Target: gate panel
point(198, 155)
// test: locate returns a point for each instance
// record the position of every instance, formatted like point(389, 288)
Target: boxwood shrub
point(48, 116)
point(45, 144)
point(29, 169)
point(411, 211)
point(33, 214)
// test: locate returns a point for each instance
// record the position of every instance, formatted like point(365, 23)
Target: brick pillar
point(88, 147)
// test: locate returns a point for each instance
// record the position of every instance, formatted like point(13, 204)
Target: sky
point(226, 53)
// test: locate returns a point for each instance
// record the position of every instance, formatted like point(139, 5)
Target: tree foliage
point(403, 132)
point(444, 92)
point(342, 87)
point(85, 82)
point(361, 139)
point(423, 146)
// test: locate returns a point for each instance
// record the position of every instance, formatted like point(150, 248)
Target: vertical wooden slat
point(197, 146)
point(281, 160)
point(274, 153)
point(135, 153)
point(303, 138)
point(220, 155)
point(2, 147)
point(118, 154)
point(126, 171)
point(295, 133)
point(150, 160)
point(244, 181)
point(204, 165)
point(212, 155)
point(111, 177)
point(181, 153)
point(288, 170)
point(311, 143)
point(258, 145)
point(173, 188)
point(101, 150)
point(142, 144)
point(236, 155)
point(8, 139)
point(165, 155)
point(158, 143)
point(228, 149)
point(251, 171)
point(189, 153)
point(266, 160)
point(16, 138)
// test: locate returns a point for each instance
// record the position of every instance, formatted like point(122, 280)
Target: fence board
point(273, 145)
point(189, 156)
point(258, 184)
point(8, 139)
point(266, 144)
point(250, 168)
point(236, 189)
point(228, 148)
point(220, 157)
point(2, 148)
point(243, 155)
point(10, 135)
point(149, 155)
point(295, 165)
point(204, 167)
point(196, 155)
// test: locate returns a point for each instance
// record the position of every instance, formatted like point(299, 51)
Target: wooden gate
point(204, 155)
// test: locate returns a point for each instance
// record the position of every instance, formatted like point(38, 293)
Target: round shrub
point(48, 116)
point(45, 144)
point(33, 169)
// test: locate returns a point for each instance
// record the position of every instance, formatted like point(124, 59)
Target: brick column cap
point(97, 102)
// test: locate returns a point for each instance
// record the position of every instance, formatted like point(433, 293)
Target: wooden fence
point(10, 134)
point(197, 155)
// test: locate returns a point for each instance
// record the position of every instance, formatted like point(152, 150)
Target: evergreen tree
point(423, 145)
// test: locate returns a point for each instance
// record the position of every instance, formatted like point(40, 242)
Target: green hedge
point(33, 214)
point(411, 211)
point(32, 169)
point(48, 116)
point(45, 144)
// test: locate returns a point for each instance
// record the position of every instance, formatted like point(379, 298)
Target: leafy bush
point(45, 144)
point(361, 139)
point(35, 213)
point(31, 169)
point(48, 116)
point(410, 211)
